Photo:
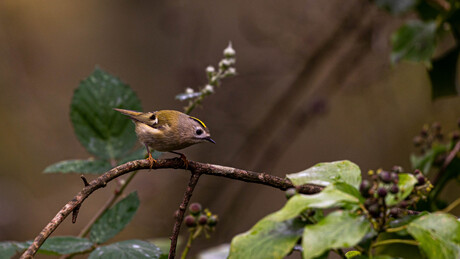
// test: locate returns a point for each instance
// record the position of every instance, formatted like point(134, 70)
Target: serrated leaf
point(396, 6)
point(327, 173)
point(62, 245)
point(79, 166)
point(338, 229)
point(443, 75)
point(328, 198)
point(406, 185)
point(114, 219)
point(269, 238)
point(129, 249)
point(104, 132)
point(414, 41)
point(438, 235)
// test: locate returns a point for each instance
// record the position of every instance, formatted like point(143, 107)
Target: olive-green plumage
point(168, 130)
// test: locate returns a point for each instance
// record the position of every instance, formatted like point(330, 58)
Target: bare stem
point(180, 216)
point(175, 163)
point(396, 241)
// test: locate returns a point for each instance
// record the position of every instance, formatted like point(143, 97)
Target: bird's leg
point(183, 157)
point(150, 158)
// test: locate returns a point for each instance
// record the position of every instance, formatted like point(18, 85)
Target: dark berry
point(374, 210)
point(394, 212)
point(385, 177)
point(417, 141)
point(421, 179)
point(436, 126)
point(195, 208)
point(417, 172)
point(369, 202)
point(212, 220)
point(190, 221)
point(394, 189)
point(397, 169)
point(202, 220)
point(424, 132)
point(290, 192)
point(455, 135)
point(403, 204)
point(382, 192)
point(394, 177)
point(364, 188)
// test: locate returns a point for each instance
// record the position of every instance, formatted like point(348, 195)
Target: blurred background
point(314, 85)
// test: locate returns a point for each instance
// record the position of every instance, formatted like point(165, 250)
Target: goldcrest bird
point(167, 131)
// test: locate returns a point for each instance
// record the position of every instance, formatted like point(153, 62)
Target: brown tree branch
point(180, 214)
point(176, 163)
point(447, 162)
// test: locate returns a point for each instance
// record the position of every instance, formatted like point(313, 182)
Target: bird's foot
point(182, 157)
point(151, 160)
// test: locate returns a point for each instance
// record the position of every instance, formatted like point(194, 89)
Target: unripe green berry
point(212, 220)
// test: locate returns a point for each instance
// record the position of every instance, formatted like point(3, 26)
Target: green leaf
point(114, 219)
point(129, 249)
point(351, 254)
point(438, 235)
point(269, 238)
point(414, 41)
point(443, 74)
point(65, 245)
point(79, 166)
point(396, 7)
point(102, 131)
point(425, 161)
point(327, 198)
point(327, 173)
point(406, 185)
point(338, 229)
point(10, 248)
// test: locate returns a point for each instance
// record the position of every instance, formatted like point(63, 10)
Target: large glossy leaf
point(414, 41)
point(114, 219)
point(79, 166)
point(328, 198)
point(269, 238)
point(129, 249)
point(438, 235)
point(406, 185)
point(327, 173)
point(102, 131)
point(65, 245)
point(338, 229)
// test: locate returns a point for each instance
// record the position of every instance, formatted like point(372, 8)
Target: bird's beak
point(210, 140)
point(128, 112)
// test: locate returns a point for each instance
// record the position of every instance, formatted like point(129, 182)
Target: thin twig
point(180, 215)
point(176, 163)
point(452, 206)
point(396, 241)
point(447, 162)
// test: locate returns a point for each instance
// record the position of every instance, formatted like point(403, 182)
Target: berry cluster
point(431, 134)
point(200, 218)
point(384, 183)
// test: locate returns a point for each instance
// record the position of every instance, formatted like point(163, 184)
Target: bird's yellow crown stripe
point(198, 120)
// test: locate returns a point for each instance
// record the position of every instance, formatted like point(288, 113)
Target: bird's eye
point(199, 131)
point(153, 117)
